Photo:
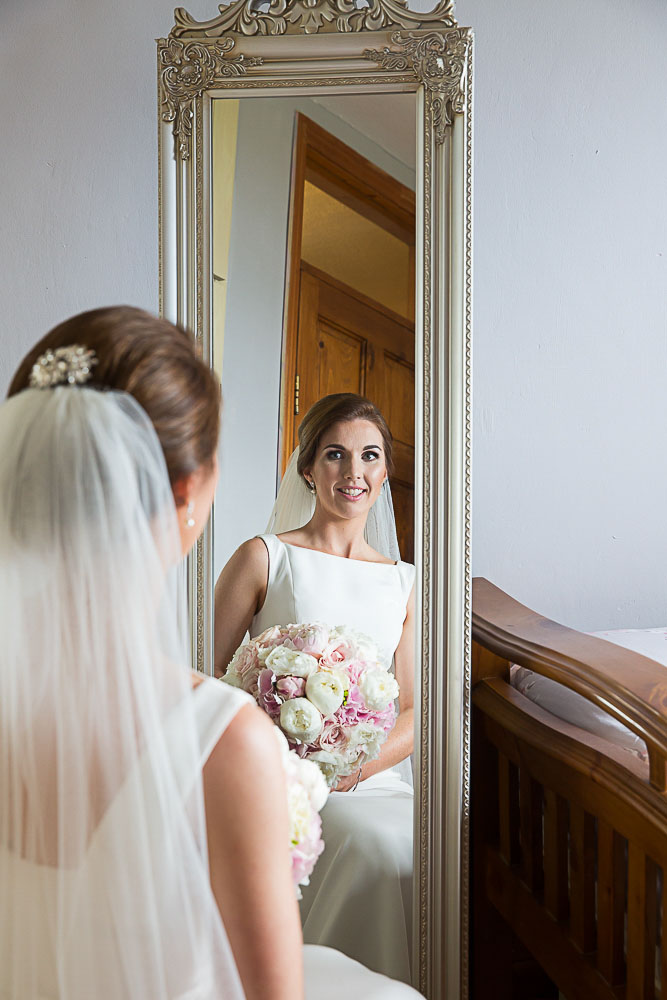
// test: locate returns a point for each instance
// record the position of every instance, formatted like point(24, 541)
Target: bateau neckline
point(332, 555)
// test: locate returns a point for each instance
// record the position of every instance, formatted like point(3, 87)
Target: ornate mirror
point(315, 234)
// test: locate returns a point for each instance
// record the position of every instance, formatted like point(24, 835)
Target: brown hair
point(332, 409)
point(156, 363)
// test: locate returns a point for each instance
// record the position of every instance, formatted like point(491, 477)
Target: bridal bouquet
point(306, 794)
point(326, 690)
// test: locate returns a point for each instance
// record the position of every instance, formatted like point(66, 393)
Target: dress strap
point(277, 555)
point(407, 574)
point(216, 705)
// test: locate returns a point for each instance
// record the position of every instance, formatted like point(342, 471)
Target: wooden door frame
point(334, 167)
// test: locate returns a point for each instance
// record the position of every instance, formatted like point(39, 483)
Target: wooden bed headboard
point(569, 832)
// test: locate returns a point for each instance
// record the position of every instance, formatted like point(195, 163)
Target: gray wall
point(570, 486)
point(570, 320)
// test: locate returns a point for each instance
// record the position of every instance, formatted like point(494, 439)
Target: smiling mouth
point(352, 492)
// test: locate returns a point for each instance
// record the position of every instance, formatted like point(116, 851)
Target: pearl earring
point(190, 521)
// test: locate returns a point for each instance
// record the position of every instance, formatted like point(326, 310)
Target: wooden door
point(346, 342)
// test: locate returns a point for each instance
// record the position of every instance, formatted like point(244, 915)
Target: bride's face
point(349, 468)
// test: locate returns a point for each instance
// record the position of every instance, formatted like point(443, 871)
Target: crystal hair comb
point(70, 365)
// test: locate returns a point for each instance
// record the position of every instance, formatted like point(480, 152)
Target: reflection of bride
point(143, 816)
point(360, 896)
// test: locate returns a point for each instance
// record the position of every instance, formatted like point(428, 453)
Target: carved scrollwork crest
point(279, 17)
point(439, 60)
point(187, 69)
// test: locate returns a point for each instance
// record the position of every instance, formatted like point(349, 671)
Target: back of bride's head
point(155, 362)
point(103, 869)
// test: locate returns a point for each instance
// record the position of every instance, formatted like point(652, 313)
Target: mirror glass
point(313, 292)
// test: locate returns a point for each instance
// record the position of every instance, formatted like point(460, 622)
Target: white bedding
point(575, 709)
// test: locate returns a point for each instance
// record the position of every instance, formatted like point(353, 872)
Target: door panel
point(341, 360)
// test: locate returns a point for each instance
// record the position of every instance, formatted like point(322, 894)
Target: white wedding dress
point(327, 972)
point(359, 900)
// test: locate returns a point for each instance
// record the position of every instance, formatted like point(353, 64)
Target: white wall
point(570, 322)
point(570, 261)
point(78, 173)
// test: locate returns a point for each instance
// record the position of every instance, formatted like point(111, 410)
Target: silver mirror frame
point(334, 47)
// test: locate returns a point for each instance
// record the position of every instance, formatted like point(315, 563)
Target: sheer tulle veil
point(295, 504)
point(103, 851)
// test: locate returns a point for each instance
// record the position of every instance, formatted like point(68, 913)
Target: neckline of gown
point(332, 555)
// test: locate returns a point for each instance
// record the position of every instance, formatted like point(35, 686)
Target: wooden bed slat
point(556, 896)
point(582, 879)
point(641, 926)
point(530, 808)
point(663, 940)
point(508, 810)
point(611, 903)
point(651, 940)
point(577, 978)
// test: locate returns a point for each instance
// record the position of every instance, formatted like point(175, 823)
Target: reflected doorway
point(350, 324)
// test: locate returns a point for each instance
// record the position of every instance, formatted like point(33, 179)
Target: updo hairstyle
point(335, 408)
point(155, 362)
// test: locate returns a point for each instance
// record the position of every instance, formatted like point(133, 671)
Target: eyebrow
point(366, 447)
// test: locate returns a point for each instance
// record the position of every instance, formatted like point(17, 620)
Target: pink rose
point(270, 637)
point(332, 737)
point(291, 687)
point(333, 654)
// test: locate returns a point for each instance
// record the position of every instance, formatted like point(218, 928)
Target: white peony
point(289, 661)
point(300, 812)
point(358, 646)
point(326, 690)
point(312, 780)
point(330, 765)
point(367, 739)
point(300, 720)
point(378, 689)
point(301, 769)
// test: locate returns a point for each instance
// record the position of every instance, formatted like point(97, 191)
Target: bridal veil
point(103, 850)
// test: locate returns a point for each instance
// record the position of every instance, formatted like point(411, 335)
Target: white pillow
point(577, 710)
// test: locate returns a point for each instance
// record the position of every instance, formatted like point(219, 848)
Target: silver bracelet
point(354, 786)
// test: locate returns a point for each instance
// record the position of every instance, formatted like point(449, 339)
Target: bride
point(360, 896)
point(143, 819)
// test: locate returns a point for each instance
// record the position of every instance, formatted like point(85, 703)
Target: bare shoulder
point(247, 749)
point(250, 559)
point(252, 553)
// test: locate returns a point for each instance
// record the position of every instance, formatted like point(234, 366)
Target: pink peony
point(306, 853)
point(309, 639)
point(266, 696)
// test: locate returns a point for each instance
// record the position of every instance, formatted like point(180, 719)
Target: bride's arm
point(239, 595)
point(400, 742)
point(248, 836)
